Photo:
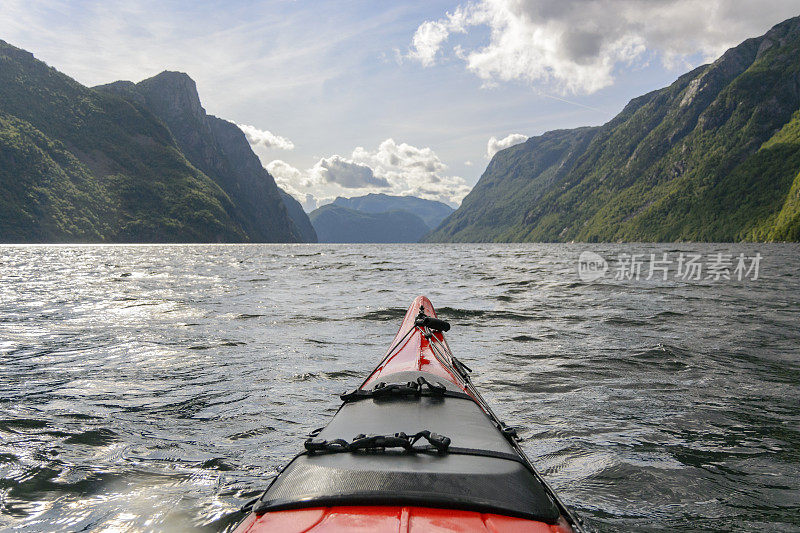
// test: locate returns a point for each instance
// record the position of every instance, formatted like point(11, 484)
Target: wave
point(525, 338)
point(93, 437)
point(247, 316)
point(384, 314)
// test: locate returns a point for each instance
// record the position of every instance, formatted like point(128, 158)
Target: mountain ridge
point(109, 165)
point(338, 224)
point(218, 148)
point(432, 212)
point(691, 161)
point(81, 166)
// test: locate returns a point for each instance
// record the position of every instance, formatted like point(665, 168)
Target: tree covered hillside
point(83, 165)
point(713, 157)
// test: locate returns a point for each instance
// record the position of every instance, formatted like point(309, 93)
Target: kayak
point(415, 448)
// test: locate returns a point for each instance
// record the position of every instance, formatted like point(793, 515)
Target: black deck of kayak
point(472, 482)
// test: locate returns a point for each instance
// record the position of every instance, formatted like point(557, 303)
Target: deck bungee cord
point(445, 356)
point(414, 444)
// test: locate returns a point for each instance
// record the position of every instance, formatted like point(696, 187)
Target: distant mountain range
point(431, 212)
point(378, 218)
point(713, 157)
point(128, 163)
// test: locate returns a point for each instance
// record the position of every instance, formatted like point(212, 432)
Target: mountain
point(431, 212)
point(713, 157)
point(299, 217)
point(82, 165)
point(334, 223)
point(220, 150)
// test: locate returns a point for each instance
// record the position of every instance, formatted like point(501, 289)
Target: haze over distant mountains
point(713, 157)
point(378, 218)
point(430, 211)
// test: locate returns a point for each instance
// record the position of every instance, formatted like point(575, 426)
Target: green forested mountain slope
point(143, 164)
point(45, 192)
point(511, 182)
point(713, 157)
point(80, 166)
point(219, 149)
point(785, 224)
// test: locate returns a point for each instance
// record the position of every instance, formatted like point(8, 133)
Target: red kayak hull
point(414, 352)
point(410, 351)
point(377, 519)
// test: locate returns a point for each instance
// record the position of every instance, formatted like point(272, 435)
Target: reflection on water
point(159, 387)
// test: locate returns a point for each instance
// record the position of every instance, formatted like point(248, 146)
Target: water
point(159, 387)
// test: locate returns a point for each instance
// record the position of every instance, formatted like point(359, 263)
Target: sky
point(347, 98)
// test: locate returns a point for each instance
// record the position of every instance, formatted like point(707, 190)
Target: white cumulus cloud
point(427, 40)
point(494, 145)
point(346, 173)
point(293, 181)
point(393, 168)
point(575, 46)
point(264, 138)
point(413, 171)
point(287, 177)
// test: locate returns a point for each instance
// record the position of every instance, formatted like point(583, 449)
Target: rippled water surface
point(159, 387)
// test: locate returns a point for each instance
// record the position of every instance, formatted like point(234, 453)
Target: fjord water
point(160, 387)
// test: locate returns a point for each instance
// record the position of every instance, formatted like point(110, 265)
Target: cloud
point(413, 171)
point(309, 203)
point(264, 138)
point(293, 181)
point(427, 40)
point(393, 168)
point(285, 174)
point(494, 146)
point(575, 46)
point(346, 173)
point(392, 156)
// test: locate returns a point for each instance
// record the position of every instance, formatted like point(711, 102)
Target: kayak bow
point(415, 448)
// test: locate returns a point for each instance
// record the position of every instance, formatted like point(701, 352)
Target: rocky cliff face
point(707, 158)
point(220, 150)
point(299, 217)
point(77, 165)
point(126, 163)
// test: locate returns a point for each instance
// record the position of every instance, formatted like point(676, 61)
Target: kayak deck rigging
point(414, 446)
